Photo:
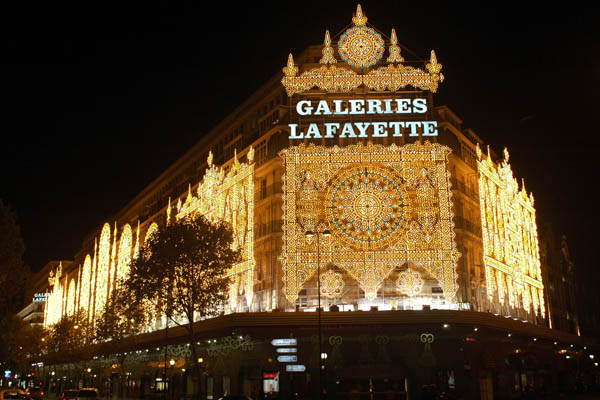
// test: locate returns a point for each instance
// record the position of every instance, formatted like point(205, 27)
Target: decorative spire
point(209, 160)
point(291, 69)
point(359, 19)
point(169, 211)
point(189, 196)
point(395, 56)
point(136, 251)
point(250, 154)
point(328, 57)
point(433, 66)
point(506, 155)
point(236, 164)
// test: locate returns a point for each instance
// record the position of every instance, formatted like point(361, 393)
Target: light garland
point(102, 271)
point(84, 285)
point(317, 184)
point(125, 248)
point(510, 240)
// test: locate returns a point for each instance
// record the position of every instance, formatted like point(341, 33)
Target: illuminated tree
point(70, 339)
point(182, 272)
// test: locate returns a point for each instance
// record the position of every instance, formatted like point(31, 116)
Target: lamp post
point(309, 234)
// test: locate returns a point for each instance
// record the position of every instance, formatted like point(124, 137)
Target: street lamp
point(309, 234)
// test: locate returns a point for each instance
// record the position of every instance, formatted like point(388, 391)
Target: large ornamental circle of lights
point(368, 207)
point(361, 46)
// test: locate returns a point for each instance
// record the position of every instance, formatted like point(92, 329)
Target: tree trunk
point(195, 365)
point(121, 391)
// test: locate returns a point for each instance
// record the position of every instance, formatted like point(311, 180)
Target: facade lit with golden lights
point(412, 227)
point(344, 186)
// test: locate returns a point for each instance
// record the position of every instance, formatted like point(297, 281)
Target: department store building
point(345, 186)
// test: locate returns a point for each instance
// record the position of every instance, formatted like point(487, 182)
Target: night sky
point(97, 102)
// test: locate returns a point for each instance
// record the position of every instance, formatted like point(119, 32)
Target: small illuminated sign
point(286, 350)
point(7, 373)
point(284, 342)
point(287, 358)
point(39, 297)
point(295, 368)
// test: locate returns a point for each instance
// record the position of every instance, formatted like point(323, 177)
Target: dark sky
point(98, 101)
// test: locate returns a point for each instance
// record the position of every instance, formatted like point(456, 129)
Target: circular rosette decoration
point(332, 284)
point(409, 282)
point(368, 208)
point(361, 46)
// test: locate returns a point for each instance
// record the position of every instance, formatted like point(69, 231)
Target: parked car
point(13, 394)
point(69, 394)
point(35, 392)
point(88, 394)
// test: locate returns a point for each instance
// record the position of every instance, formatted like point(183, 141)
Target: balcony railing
point(461, 187)
point(263, 229)
point(465, 224)
point(268, 191)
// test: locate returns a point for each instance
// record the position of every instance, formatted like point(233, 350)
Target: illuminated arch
point(102, 278)
point(125, 247)
point(84, 284)
point(71, 297)
point(151, 231)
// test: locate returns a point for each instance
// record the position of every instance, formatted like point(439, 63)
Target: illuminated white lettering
point(388, 106)
point(330, 129)
point(304, 107)
point(347, 130)
point(362, 127)
point(374, 106)
point(313, 130)
point(403, 106)
point(396, 125)
point(419, 106)
point(413, 125)
point(430, 128)
point(379, 129)
point(338, 107)
point(357, 106)
point(293, 132)
point(323, 108)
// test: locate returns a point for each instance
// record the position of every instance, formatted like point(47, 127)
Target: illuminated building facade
point(341, 175)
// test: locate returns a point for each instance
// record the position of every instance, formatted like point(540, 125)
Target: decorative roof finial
point(506, 155)
point(395, 56)
point(328, 57)
point(291, 69)
point(359, 19)
point(236, 163)
point(189, 195)
point(209, 160)
point(250, 154)
point(169, 211)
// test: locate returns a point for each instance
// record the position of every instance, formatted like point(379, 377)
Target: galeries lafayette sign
point(384, 107)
